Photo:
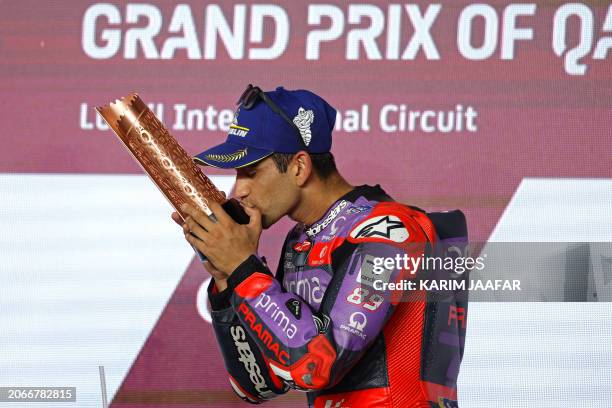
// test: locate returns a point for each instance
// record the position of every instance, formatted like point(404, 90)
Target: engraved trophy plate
point(169, 166)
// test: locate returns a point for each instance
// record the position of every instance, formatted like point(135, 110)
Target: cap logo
point(238, 130)
point(226, 158)
point(303, 120)
point(235, 129)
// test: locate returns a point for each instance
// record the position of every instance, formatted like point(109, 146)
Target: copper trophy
point(169, 166)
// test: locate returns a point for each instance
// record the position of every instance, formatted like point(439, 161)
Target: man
point(318, 325)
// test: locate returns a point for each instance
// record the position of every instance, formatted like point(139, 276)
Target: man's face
point(261, 185)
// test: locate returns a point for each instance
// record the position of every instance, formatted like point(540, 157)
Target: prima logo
point(308, 289)
point(276, 314)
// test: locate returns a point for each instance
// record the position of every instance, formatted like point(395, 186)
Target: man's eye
point(251, 173)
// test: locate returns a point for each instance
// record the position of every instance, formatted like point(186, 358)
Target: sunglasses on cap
point(253, 94)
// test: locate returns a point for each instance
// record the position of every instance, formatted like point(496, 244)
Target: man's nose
point(241, 188)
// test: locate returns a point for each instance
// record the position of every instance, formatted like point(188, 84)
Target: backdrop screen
point(500, 109)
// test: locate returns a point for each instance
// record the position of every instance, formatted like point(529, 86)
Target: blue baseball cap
point(258, 131)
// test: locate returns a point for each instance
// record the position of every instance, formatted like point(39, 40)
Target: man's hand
point(226, 244)
point(220, 278)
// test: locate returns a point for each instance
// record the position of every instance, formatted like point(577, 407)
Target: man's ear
point(301, 168)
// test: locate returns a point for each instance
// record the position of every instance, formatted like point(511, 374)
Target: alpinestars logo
point(247, 358)
point(315, 229)
point(387, 227)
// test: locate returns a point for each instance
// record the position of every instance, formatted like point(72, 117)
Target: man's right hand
point(219, 277)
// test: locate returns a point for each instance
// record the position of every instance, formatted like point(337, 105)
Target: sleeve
point(313, 350)
point(250, 376)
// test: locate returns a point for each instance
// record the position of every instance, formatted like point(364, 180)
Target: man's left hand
point(225, 243)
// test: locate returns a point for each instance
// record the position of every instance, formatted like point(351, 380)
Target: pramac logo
point(256, 326)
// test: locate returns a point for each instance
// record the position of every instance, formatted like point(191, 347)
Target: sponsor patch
point(303, 120)
point(302, 246)
point(295, 307)
point(238, 130)
point(367, 276)
point(269, 306)
point(322, 322)
point(315, 229)
point(358, 209)
point(247, 358)
point(356, 325)
point(262, 333)
point(309, 289)
point(320, 254)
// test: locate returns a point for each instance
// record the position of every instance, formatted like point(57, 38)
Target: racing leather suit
point(319, 326)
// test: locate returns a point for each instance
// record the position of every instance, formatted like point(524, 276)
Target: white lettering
point(584, 14)
point(276, 314)
point(316, 12)
point(365, 36)
point(393, 31)
point(604, 44)
point(395, 118)
point(422, 37)
point(112, 37)
point(281, 21)
point(144, 35)
point(510, 32)
point(247, 358)
point(182, 21)
point(464, 32)
point(83, 122)
point(217, 25)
